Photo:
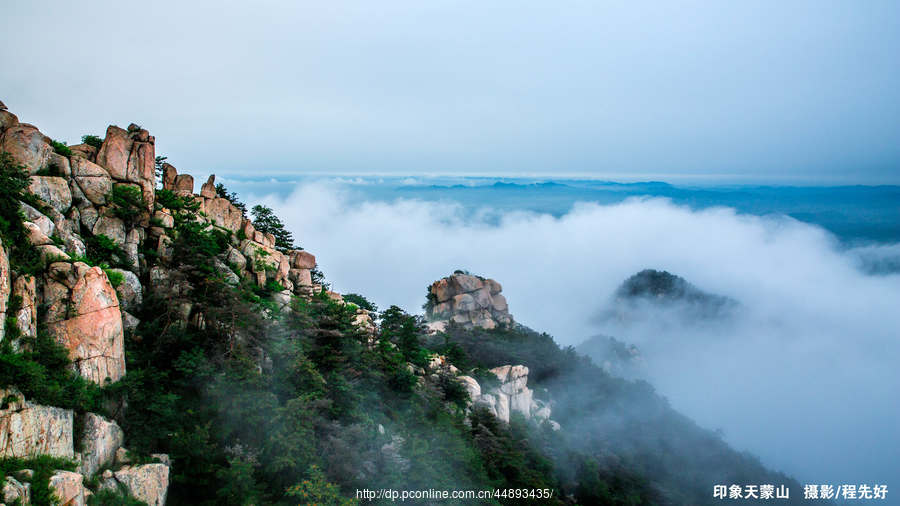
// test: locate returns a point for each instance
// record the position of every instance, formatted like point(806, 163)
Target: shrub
point(360, 301)
point(14, 183)
point(44, 376)
point(116, 278)
point(92, 140)
point(44, 466)
point(169, 200)
point(265, 221)
point(127, 203)
point(61, 148)
point(50, 170)
point(104, 250)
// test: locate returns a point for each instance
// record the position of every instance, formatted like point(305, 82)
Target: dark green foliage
point(646, 453)
point(265, 221)
point(50, 170)
point(360, 301)
point(101, 250)
point(14, 182)
point(119, 497)
point(232, 197)
point(175, 203)
point(430, 299)
point(403, 330)
point(92, 140)
point(127, 203)
point(115, 278)
point(157, 171)
point(60, 148)
point(509, 457)
point(317, 490)
point(44, 467)
point(43, 374)
point(619, 487)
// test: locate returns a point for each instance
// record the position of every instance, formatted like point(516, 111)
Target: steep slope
point(138, 314)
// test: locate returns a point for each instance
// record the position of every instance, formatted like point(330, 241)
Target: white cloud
point(806, 377)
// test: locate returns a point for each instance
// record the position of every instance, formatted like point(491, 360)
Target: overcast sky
point(761, 91)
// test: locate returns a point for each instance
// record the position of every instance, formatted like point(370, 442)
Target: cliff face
point(467, 300)
point(89, 195)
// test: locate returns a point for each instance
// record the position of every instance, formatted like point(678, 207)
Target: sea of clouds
point(805, 374)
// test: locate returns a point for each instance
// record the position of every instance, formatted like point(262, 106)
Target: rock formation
point(28, 430)
point(467, 300)
point(511, 395)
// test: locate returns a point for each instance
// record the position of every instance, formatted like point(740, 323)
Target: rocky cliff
point(105, 197)
point(468, 301)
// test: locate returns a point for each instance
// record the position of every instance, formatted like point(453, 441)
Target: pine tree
point(265, 221)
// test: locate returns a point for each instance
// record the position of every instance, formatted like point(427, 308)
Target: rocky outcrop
point(69, 488)
point(14, 490)
point(467, 300)
point(130, 156)
point(512, 395)
point(85, 318)
point(148, 483)
point(28, 430)
point(54, 191)
point(27, 145)
point(99, 443)
point(5, 288)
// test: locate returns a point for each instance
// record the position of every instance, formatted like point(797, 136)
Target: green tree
point(232, 197)
point(265, 221)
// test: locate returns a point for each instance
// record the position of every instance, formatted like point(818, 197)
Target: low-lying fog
point(805, 375)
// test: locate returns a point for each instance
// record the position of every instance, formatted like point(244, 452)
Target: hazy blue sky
point(780, 91)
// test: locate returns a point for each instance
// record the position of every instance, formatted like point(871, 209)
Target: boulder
point(27, 145)
point(129, 291)
point(93, 333)
point(208, 189)
point(148, 483)
point(142, 167)
point(463, 303)
point(114, 152)
point(469, 301)
point(13, 491)
point(441, 290)
point(68, 487)
point(84, 151)
point(222, 212)
point(100, 441)
point(111, 227)
point(26, 317)
point(7, 120)
point(54, 191)
point(60, 164)
point(164, 218)
point(169, 173)
point(184, 183)
point(93, 181)
point(463, 283)
point(89, 217)
point(28, 430)
point(303, 260)
point(50, 253)
point(36, 236)
point(42, 221)
point(300, 277)
point(234, 257)
point(471, 386)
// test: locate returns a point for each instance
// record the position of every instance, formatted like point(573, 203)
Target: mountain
point(160, 346)
point(651, 293)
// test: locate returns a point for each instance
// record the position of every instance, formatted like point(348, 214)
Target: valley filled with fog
point(801, 373)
